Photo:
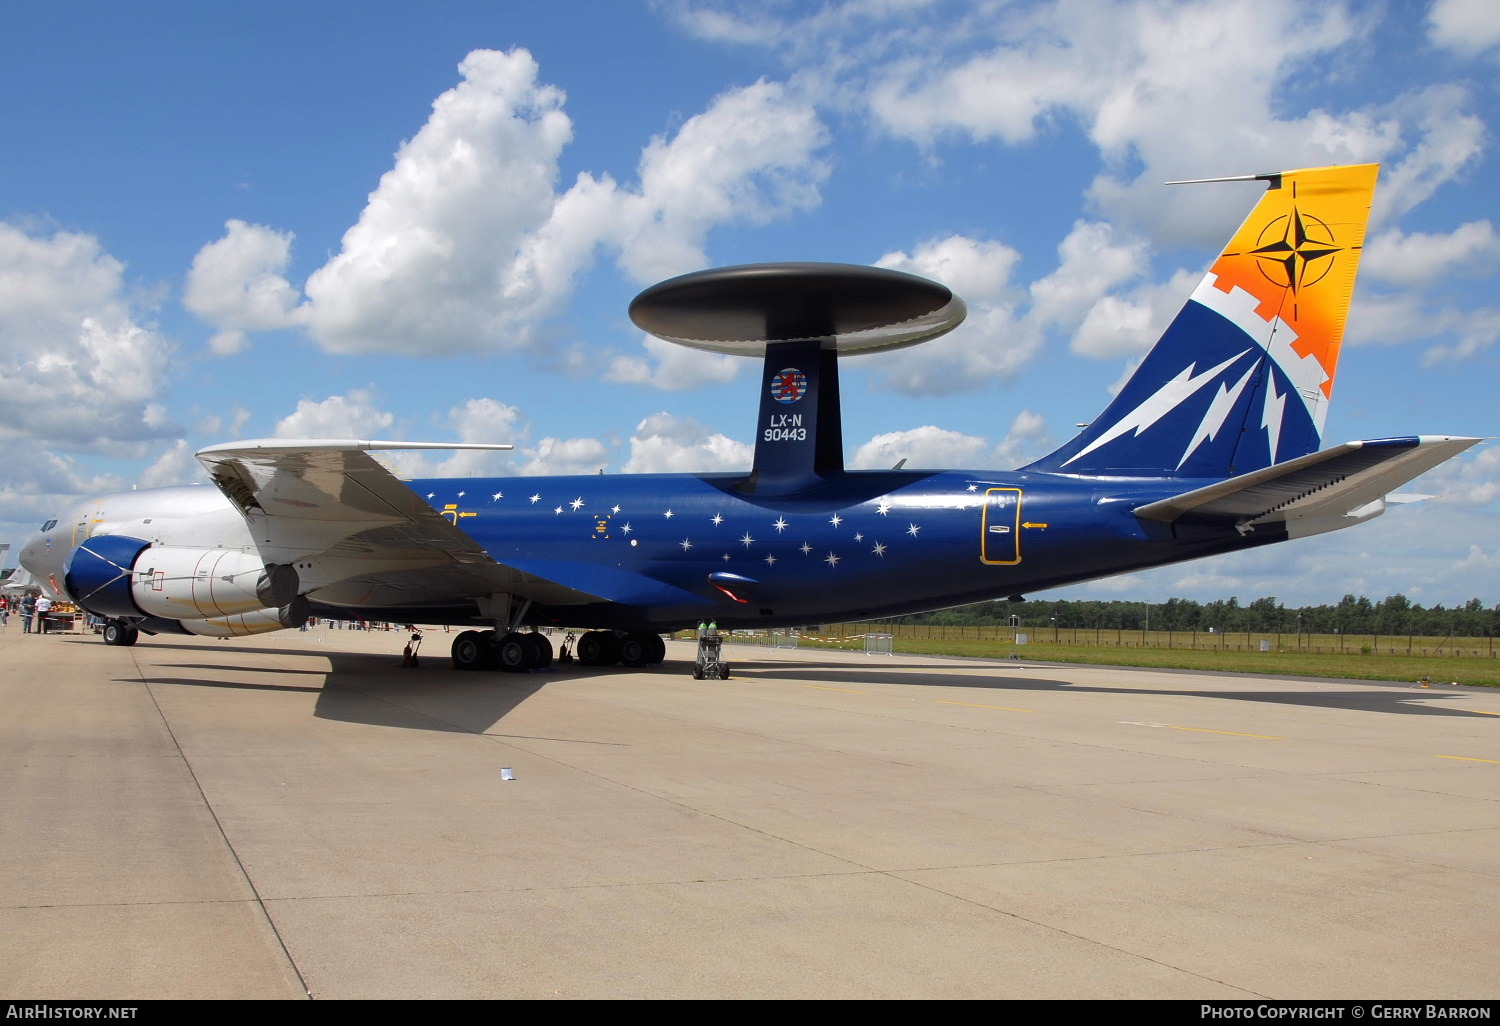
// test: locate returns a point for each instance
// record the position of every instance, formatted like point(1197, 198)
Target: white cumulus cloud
point(355, 415)
point(991, 343)
point(1028, 439)
point(80, 366)
point(922, 448)
point(673, 368)
point(468, 245)
point(425, 268)
point(667, 444)
point(1421, 258)
point(1467, 26)
point(238, 284)
point(568, 456)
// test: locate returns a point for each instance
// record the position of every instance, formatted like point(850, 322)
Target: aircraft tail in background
point(1242, 377)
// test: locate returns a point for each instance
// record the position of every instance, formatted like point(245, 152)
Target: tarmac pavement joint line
point(219, 826)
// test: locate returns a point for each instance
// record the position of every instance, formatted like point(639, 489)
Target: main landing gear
point(512, 652)
point(516, 652)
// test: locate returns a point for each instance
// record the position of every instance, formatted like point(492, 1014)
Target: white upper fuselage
point(193, 515)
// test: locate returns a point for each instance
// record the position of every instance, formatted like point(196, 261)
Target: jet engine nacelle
point(259, 621)
point(116, 576)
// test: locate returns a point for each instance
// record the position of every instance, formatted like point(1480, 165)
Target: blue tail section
point(1241, 378)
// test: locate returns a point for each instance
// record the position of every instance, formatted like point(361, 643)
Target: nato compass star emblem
point(1295, 250)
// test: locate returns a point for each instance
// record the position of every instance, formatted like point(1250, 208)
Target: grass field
point(1361, 658)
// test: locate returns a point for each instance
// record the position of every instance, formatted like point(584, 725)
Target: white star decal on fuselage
point(831, 559)
point(780, 525)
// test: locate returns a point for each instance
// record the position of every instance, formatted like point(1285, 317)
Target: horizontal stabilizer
point(1347, 483)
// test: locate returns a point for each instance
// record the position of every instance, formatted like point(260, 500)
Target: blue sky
point(392, 221)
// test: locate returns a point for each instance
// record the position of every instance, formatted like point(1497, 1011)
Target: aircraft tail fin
point(1241, 378)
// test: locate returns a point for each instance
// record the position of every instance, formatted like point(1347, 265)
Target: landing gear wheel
point(469, 651)
point(517, 653)
point(544, 650)
point(658, 650)
point(598, 648)
point(636, 649)
point(117, 632)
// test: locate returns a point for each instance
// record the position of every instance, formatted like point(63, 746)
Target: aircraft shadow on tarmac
point(373, 688)
point(1392, 698)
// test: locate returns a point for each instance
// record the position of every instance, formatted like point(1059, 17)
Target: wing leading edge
point(357, 533)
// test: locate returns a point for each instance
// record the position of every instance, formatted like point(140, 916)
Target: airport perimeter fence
point(1203, 641)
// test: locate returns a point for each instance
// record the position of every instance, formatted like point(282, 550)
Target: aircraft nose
point(28, 551)
point(33, 554)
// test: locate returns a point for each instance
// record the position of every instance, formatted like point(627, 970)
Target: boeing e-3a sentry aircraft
point(1212, 446)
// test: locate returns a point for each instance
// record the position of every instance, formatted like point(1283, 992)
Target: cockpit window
point(49, 525)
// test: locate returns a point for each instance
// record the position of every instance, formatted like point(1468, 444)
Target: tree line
point(1395, 614)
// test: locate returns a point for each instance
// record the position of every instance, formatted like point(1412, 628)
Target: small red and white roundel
point(789, 385)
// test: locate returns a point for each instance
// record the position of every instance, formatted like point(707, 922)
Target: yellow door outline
point(1000, 527)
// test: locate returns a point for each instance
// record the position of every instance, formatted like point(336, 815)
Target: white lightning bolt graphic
point(1218, 411)
point(1273, 416)
point(1165, 399)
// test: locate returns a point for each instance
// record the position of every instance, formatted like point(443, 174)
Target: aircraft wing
point(371, 536)
point(1328, 487)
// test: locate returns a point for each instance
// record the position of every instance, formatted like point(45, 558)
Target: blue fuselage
point(665, 551)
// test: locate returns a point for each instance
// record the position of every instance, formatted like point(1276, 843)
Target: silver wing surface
point(358, 535)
